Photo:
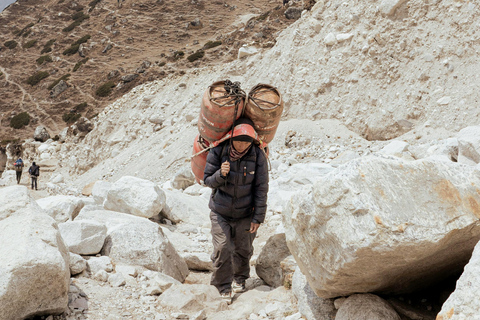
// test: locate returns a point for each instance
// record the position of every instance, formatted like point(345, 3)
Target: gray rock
point(107, 48)
point(183, 178)
point(116, 280)
point(469, 145)
point(310, 305)
point(83, 237)
point(84, 125)
point(268, 263)
point(100, 191)
point(59, 89)
point(293, 13)
point(366, 307)
point(41, 134)
point(129, 77)
point(113, 74)
point(191, 298)
point(156, 119)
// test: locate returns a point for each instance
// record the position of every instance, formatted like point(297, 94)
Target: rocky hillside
point(62, 59)
point(373, 207)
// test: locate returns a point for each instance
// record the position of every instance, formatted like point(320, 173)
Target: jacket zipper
point(235, 185)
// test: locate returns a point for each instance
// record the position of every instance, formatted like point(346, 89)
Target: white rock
point(9, 178)
point(100, 191)
point(96, 264)
point(83, 237)
point(462, 303)
point(388, 7)
point(444, 101)
point(101, 275)
point(116, 280)
point(344, 36)
point(330, 39)
point(200, 261)
point(77, 264)
point(246, 51)
point(61, 208)
point(34, 261)
point(138, 241)
point(183, 178)
point(371, 212)
point(395, 148)
point(58, 178)
point(17, 199)
point(191, 298)
point(182, 207)
point(135, 196)
point(164, 281)
point(469, 145)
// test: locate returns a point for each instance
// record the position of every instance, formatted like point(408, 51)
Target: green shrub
point(79, 63)
point(47, 47)
point(11, 44)
point(80, 107)
point(24, 30)
point(29, 44)
point(43, 59)
point(263, 16)
point(1, 74)
point(161, 64)
point(37, 77)
point(54, 83)
point(20, 120)
point(26, 33)
point(78, 15)
point(78, 18)
point(93, 4)
point(72, 50)
point(212, 44)
point(105, 89)
point(71, 117)
point(197, 55)
point(82, 40)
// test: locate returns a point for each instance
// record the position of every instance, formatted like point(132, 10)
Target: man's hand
point(254, 227)
point(225, 168)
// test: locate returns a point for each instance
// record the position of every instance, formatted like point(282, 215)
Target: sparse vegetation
point(45, 58)
point(161, 64)
point(178, 55)
point(80, 107)
point(47, 47)
point(93, 4)
point(212, 44)
point(25, 31)
point(37, 77)
point(29, 44)
point(11, 44)
point(195, 56)
point(263, 16)
point(56, 138)
point(4, 142)
point(78, 18)
point(20, 120)
point(79, 63)
point(105, 89)
point(71, 117)
point(54, 83)
point(72, 50)
point(76, 45)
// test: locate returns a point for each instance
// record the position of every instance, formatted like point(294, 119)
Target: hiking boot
point(238, 287)
point(227, 297)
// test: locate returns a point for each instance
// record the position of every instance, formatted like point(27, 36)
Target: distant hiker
point(19, 168)
point(238, 174)
point(34, 172)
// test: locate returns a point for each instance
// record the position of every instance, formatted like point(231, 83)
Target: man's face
point(241, 146)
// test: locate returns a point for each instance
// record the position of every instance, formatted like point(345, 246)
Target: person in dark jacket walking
point(34, 172)
point(238, 175)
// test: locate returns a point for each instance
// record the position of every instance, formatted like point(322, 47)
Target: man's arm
point(261, 188)
point(212, 176)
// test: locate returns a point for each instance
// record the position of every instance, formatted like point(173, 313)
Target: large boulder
point(41, 134)
point(100, 191)
point(384, 225)
point(61, 208)
point(186, 208)
point(463, 303)
point(366, 307)
point(15, 200)
point(34, 264)
point(135, 196)
point(310, 305)
point(83, 237)
point(268, 263)
point(137, 241)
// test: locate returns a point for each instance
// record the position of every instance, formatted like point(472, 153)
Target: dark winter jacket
point(243, 192)
point(34, 170)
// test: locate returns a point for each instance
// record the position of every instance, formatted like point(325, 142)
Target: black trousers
point(232, 250)
point(19, 176)
point(34, 181)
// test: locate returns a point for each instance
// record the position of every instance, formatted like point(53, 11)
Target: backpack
point(18, 163)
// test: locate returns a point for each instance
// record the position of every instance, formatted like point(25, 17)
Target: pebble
point(330, 39)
